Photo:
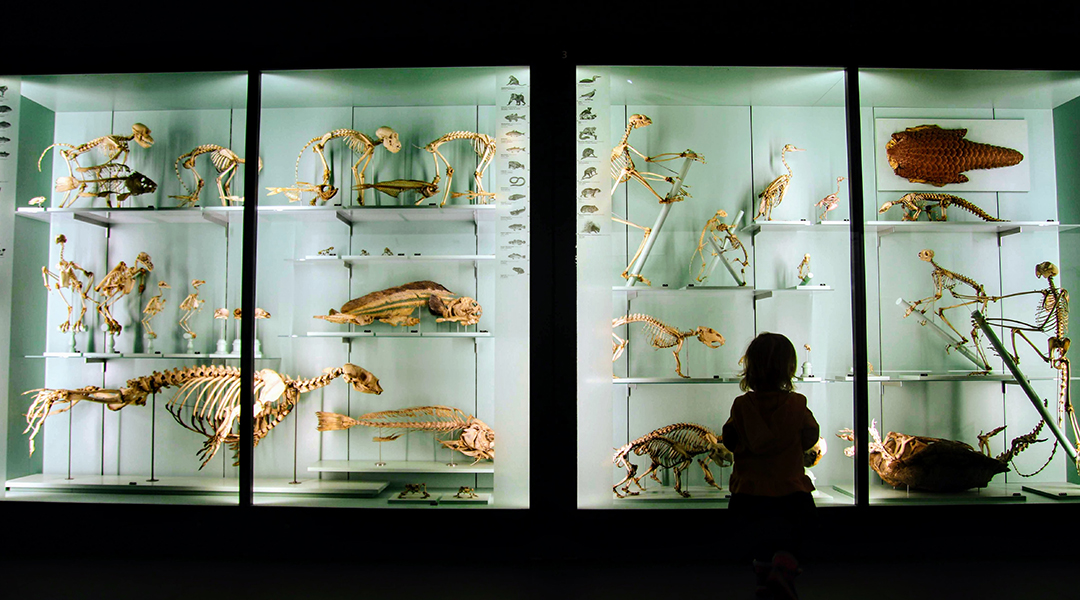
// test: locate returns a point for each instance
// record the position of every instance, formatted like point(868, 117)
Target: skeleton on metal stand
point(483, 145)
point(153, 307)
point(120, 282)
point(722, 238)
point(190, 305)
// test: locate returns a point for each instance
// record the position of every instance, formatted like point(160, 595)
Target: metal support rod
point(1025, 385)
point(676, 187)
point(247, 295)
point(921, 319)
point(718, 254)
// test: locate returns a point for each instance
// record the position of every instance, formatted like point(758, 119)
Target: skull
point(361, 379)
point(142, 135)
point(66, 184)
point(926, 255)
point(1046, 270)
point(813, 456)
point(389, 138)
point(710, 337)
point(477, 440)
point(637, 121)
point(144, 258)
point(792, 148)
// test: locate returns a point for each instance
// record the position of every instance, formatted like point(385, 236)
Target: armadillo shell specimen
point(933, 464)
point(930, 154)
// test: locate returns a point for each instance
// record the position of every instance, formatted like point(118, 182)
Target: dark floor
point(470, 572)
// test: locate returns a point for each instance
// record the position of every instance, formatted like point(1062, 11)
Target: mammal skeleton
point(483, 145)
point(113, 146)
point(774, 193)
point(225, 161)
point(662, 335)
point(672, 446)
point(357, 142)
point(916, 203)
point(68, 278)
point(108, 180)
point(119, 282)
point(727, 236)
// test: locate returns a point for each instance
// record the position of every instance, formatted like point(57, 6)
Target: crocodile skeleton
point(917, 203)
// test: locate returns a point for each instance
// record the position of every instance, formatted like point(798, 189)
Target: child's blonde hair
point(769, 364)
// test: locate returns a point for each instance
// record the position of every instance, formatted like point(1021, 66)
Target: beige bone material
point(207, 400)
point(662, 335)
point(774, 193)
point(190, 305)
point(67, 278)
point(396, 305)
point(483, 145)
point(114, 146)
point(120, 282)
point(672, 447)
point(359, 143)
point(830, 202)
point(153, 307)
point(916, 203)
point(718, 230)
point(470, 436)
point(105, 181)
point(225, 162)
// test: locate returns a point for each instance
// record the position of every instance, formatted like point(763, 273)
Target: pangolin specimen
point(930, 154)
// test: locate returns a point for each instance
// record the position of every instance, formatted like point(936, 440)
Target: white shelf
point(1005, 227)
point(464, 465)
point(138, 484)
point(103, 356)
point(356, 214)
point(727, 379)
point(391, 334)
point(105, 217)
point(356, 259)
point(801, 225)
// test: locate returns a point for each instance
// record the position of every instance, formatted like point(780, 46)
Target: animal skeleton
point(153, 307)
point(112, 145)
point(68, 278)
point(483, 145)
point(830, 202)
point(803, 272)
point(916, 203)
point(394, 188)
point(119, 282)
point(357, 142)
point(672, 446)
point(475, 440)
point(415, 489)
point(109, 180)
point(466, 492)
point(945, 279)
point(930, 154)
point(396, 305)
point(774, 193)
point(225, 161)
point(213, 395)
point(727, 236)
point(190, 305)
point(662, 335)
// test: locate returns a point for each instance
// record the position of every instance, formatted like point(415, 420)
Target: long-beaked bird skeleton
point(774, 193)
point(475, 440)
point(225, 162)
point(662, 335)
point(213, 395)
point(483, 145)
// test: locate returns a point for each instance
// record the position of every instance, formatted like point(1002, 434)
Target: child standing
point(769, 429)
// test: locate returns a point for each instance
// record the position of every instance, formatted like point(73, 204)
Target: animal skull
point(710, 337)
point(1046, 269)
point(637, 121)
point(389, 138)
point(141, 135)
point(361, 379)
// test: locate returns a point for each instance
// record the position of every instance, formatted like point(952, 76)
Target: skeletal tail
point(334, 421)
point(46, 151)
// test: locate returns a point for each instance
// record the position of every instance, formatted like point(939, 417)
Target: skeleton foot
point(627, 276)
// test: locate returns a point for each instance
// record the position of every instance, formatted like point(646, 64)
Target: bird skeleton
point(68, 278)
point(190, 305)
point(120, 282)
point(153, 307)
point(774, 193)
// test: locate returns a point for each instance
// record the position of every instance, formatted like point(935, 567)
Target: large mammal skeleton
point(225, 162)
point(356, 141)
point(473, 437)
point(396, 306)
point(672, 447)
point(207, 400)
point(483, 145)
point(774, 193)
point(662, 335)
point(930, 154)
point(114, 146)
point(120, 282)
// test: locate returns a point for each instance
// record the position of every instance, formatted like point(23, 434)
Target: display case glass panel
point(701, 257)
point(394, 238)
point(968, 183)
point(92, 177)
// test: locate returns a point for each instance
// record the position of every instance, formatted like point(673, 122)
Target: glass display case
point(394, 238)
point(684, 253)
point(969, 204)
point(92, 193)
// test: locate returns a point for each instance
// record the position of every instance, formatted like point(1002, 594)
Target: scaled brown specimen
point(930, 154)
point(396, 306)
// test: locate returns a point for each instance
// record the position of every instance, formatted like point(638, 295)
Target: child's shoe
point(781, 579)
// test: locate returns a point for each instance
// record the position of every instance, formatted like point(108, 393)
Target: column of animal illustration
point(774, 193)
point(190, 305)
point(207, 400)
point(356, 141)
point(67, 278)
point(623, 169)
point(945, 279)
point(662, 335)
point(483, 145)
point(111, 175)
point(225, 162)
point(721, 238)
point(117, 283)
point(830, 202)
point(153, 307)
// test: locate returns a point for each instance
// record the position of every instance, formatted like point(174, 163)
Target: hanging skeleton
point(357, 142)
point(623, 169)
point(120, 282)
point(207, 400)
point(945, 279)
point(930, 154)
point(662, 335)
point(483, 145)
point(935, 464)
point(722, 236)
point(473, 437)
point(672, 447)
point(105, 182)
point(225, 162)
point(917, 203)
point(68, 279)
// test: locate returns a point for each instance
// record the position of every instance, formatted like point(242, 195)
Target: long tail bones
point(207, 400)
